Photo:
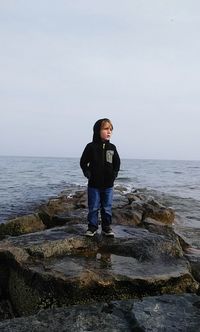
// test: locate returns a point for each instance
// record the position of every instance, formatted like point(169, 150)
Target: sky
point(64, 64)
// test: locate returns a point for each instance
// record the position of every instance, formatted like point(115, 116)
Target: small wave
point(124, 179)
point(123, 188)
point(194, 167)
point(192, 217)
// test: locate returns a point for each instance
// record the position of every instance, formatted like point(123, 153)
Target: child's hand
point(87, 174)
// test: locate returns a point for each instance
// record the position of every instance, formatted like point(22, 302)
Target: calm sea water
point(25, 182)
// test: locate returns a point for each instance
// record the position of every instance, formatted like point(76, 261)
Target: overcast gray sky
point(66, 63)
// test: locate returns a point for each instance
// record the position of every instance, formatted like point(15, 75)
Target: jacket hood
point(96, 130)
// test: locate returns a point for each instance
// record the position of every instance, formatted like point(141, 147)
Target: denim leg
point(106, 206)
point(93, 206)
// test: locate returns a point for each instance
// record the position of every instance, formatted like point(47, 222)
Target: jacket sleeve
point(85, 161)
point(116, 163)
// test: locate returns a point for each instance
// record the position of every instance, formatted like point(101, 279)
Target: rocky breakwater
point(54, 278)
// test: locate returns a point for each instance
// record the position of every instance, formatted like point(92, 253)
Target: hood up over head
point(96, 129)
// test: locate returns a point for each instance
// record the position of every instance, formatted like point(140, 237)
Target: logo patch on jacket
point(109, 156)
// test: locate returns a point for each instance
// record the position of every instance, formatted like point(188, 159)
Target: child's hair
point(106, 121)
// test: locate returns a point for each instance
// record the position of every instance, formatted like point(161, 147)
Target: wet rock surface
point(169, 313)
point(55, 265)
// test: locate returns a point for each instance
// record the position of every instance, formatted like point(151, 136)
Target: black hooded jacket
point(100, 161)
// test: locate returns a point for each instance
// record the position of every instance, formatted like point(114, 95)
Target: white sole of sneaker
point(90, 235)
point(107, 234)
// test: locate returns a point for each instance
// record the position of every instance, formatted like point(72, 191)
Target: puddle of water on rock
point(106, 265)
point(110, 263)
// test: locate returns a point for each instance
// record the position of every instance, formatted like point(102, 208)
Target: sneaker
point(107, 232)
point(91, 232)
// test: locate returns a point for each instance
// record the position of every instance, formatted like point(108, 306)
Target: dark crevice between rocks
point(6, 309)
point(127, 311)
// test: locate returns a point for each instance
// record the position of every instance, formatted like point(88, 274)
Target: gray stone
point(169, 313)
point(63, 267)
point(59, 267)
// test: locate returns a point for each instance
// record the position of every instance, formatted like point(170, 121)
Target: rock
point(168, 313)
point(131, 208)
point(135, 197)
point(135, 263)
point(127, 216)
point(64, 209)
point(95, 317)
point(163, 215)
point(152, 209)
point(4, 277)
point(6, 312)
point(12, 252)
point(57, 266)
point(193, 256)
point(137, 209)
point(22, 225)
point(191, 235)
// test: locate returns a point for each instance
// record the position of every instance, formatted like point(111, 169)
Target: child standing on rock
point(100, 163)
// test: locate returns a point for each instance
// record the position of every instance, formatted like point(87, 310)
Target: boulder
point(168, 313)
point(193, 256)
point(63, 267)
point(22, 225)
point(64, 209)
point(55, 266)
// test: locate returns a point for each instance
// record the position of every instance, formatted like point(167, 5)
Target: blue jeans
point(100, 199)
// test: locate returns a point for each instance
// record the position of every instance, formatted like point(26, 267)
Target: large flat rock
point(62, 267)
point(56, 268)
point(169, 313)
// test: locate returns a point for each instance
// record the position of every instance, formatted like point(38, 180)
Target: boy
point(100, 163)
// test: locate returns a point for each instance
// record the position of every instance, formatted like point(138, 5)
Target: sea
point(27, 182)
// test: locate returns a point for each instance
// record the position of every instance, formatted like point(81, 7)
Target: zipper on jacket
point(103, 162)
point(103, 153)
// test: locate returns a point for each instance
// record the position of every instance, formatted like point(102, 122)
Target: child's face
point(106, 132)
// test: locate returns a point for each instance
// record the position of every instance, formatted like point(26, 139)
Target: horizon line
point(75, 157)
